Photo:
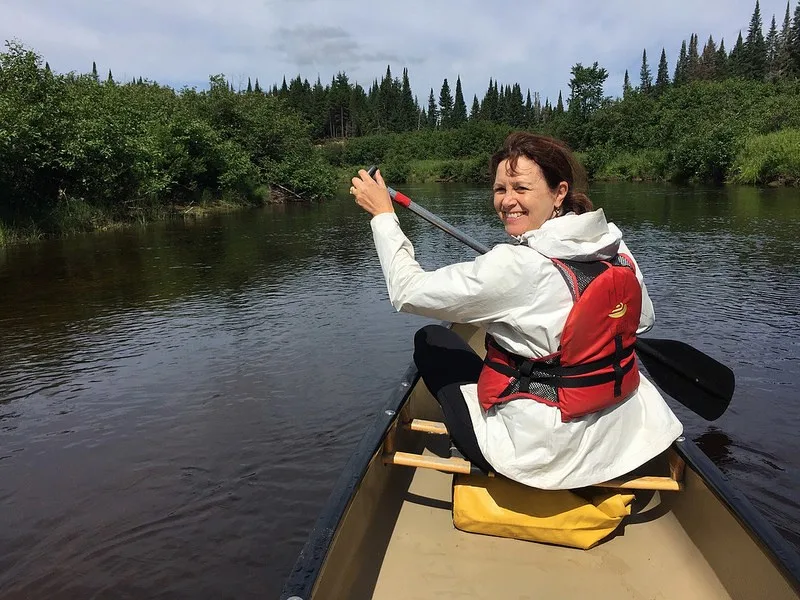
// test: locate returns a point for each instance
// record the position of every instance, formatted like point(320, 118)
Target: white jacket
point(523, 301)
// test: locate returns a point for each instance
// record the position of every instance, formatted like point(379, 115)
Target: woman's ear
point(561, 192)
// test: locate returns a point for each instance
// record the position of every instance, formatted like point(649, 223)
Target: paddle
point(702, 384)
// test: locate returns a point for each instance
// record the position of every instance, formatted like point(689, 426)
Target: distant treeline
point(81, 151)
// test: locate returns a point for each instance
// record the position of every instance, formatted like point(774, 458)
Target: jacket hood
point(585, 237)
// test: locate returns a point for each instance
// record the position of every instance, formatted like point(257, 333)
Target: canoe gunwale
point(303, 576)
point(781, 553)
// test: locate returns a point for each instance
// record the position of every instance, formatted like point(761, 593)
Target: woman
point(527, 297)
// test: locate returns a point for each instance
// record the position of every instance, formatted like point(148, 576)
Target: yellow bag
point(501, 507)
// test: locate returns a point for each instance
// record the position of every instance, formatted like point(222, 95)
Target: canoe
point(387, 530)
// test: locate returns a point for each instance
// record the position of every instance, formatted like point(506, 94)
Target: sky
point(530, 42)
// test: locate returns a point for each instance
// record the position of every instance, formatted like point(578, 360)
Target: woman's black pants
point(446, 362)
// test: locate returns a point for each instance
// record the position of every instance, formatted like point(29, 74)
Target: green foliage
point(77, 153)
point(773, 157)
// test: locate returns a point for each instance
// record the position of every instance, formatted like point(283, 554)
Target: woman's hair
point(555, 160)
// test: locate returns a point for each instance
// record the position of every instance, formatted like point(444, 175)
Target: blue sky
point(533, 43)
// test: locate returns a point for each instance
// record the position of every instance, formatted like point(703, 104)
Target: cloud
point(530, 42)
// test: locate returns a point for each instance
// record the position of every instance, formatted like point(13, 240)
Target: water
point(176, 402)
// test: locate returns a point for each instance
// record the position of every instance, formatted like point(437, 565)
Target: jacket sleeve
point(648, 317)
point(483, 290)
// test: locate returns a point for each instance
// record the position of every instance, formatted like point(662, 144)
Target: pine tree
point(433, 111)
point(560, 105)
point(94, 71)
point(249, 86)
point(681, 66)
point(459, 116)
point(445, 106)
point(489, 106)
point(772, 51)
point(794, 44)
point(645, 76)
point(736, 59)
point(721, 63)
point(110, 78)
point(528, 110)
point(662, 78)
point(408, 108)
point(626, 85)
point(755, 56)
point(693, 63)
point(708, 60)
point(475, 111)
point(140, 82)
point(257, 88)
point(783, 57)
point(47, 67)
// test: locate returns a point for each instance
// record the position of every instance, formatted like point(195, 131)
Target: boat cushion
point(502, 507)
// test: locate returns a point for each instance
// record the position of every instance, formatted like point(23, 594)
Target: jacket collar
point(584, 237)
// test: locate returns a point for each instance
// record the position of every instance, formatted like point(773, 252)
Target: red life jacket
point(595, 366)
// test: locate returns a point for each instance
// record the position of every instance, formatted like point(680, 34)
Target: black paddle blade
point(694, 379)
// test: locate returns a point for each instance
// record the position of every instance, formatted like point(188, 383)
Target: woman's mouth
point(511, 216)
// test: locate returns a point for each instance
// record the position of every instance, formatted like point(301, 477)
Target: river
point(177, 400)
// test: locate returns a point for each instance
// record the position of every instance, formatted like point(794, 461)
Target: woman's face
point(523, 200)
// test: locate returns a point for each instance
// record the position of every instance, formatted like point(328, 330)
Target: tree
point(626, 85)
point(249, 86)
point(794, 44)
point(408, 108)
point(645, 76)
point(693, 61)
point(110, 78)
point(459, 116)
point(737, 65)
point(560, 104)
point(586, 90)
point(94, 71)
point(490, 108)
point(662, 78)
point(772, 51)
point(681, 67)
point(708, 60)
point(433, 111)
point(755, 56)
point(257, 88)
point(783, 58)
point(475, 111)
point(445, 106)
point(721, 63)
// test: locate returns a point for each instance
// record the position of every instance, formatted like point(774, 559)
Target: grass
point(773, 158)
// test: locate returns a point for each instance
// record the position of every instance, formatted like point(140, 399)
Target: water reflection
point(177, 400)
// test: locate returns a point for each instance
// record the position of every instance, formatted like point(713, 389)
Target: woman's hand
point(371, 194)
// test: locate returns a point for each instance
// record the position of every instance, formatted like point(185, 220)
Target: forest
point(81, 151)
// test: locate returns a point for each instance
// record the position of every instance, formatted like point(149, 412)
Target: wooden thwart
point(672, 483)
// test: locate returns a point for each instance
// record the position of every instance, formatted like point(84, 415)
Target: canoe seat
point(633, 481)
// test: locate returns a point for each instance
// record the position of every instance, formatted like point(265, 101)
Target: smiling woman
point(559, 402)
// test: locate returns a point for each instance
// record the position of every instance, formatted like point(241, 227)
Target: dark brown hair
point(555, 160)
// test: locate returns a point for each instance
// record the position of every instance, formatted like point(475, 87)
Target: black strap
point(555, 370)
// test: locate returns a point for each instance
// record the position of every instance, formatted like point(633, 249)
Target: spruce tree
point(662, 78)
point(708, 60)
point(257, 88)
point(47, 66)
point(755, 56)
point(626, 85)
point(408, 108)
point(459, 116)
point(794, 44)
point(475, 111)
point(645, 76)
point(94, 71)
point(693, 62)
point(433, 111)
point(681, 66)
point(721, 63)
point(489, 106)
point(560, 105)
point(445, 106)
point(528, 110)
point(736, 59)
point(249, 86)
point(783, 57)
point(110, 78)
point(772, 51)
